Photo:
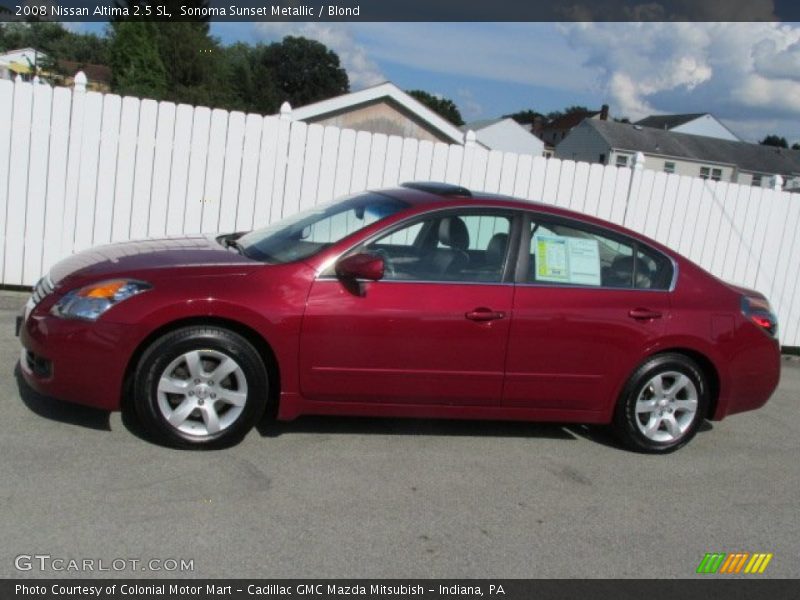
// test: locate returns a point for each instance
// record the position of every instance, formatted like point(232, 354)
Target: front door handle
point(644, 314)
point(484, 314)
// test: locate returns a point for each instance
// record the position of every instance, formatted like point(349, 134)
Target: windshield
point(306, 233)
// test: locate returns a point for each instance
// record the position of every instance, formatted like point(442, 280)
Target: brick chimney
point(604, 112)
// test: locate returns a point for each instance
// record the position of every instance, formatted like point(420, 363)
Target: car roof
point(430, 192)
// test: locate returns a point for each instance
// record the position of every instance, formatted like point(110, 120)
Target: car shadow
point(62, 412)
point(404, 426)
point(604, 436)
point(598, 434)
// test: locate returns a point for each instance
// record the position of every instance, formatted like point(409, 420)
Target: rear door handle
point(644, 314)
point(484, 314)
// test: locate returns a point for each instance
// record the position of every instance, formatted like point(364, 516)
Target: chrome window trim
point(437, 281)
point(507, 283)
point(674, 283)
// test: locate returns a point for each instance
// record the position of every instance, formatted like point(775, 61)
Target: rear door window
point(568, 253)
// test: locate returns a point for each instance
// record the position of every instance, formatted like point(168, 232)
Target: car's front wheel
point(662, 404)
point(201, 387)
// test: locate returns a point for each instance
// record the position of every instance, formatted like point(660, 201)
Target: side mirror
point(361, 266)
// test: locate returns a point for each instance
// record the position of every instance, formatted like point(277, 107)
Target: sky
point(746, 74)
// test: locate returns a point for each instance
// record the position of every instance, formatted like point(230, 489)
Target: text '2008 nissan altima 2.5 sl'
point(421, 301)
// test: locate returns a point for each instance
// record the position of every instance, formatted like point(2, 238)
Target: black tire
point(213, 346)
point(628, 425)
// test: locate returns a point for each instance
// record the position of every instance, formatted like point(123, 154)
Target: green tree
point(443, 106)
point(557, 114)
point(525, 117)
point(56, 43)
point(303, 70)
point(250, 80)
point(136, 66)
point(196, 72)
point(796, 146)
point(774, 140)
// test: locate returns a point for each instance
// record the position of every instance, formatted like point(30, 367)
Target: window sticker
point(551, 258)
point(567, 260)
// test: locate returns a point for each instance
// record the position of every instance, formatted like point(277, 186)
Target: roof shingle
point(754, 158)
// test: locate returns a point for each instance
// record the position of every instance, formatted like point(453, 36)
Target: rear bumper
point(753, 376)
point(75, 361)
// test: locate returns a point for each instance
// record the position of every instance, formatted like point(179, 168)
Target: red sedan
point(421, 301)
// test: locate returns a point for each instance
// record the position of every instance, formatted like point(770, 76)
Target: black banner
point(712, 588)
point(402, 10)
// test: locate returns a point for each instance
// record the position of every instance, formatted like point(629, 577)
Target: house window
point(602, 159)
point(756, 181)
point(669, 167)
point(622, 160)
point(709, 173)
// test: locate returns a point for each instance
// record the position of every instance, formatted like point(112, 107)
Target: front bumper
point(75, 361)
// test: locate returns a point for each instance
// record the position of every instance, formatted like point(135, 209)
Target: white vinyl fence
point(79, 169)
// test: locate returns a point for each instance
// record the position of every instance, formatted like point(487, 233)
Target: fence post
point(286, 112)
point(79, 82)
point(636, 169)
point(470, 139)
point(776, 183)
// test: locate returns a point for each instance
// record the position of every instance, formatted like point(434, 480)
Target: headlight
point(91, 301)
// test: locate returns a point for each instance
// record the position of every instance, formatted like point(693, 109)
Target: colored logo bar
point(734, 563)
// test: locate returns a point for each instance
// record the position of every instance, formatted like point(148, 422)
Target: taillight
point(760, 312)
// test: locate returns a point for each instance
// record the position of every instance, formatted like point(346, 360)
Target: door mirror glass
point(361, 266)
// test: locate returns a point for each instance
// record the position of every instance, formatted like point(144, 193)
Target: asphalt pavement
point(343, 497)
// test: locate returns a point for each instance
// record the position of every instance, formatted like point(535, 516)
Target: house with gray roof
point(612, 143)
point(704, 124)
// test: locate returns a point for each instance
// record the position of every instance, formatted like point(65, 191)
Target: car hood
point(126, 257)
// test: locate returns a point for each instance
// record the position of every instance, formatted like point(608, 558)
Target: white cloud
point(361, 69)
point(777, 62)
point(740, 71)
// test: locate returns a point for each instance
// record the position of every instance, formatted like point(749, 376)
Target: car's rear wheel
point(662, 405)
point(200, 387)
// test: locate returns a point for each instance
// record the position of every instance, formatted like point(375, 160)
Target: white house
point(383, 108)
point(704, 124)
point(506, 135)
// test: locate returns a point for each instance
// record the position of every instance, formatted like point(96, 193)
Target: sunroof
point(434, 187)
